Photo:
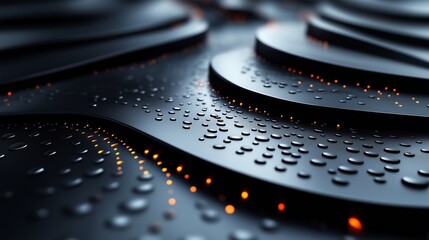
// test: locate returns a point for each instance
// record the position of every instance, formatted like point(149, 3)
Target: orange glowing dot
point(193, 189)
point(208, 181)
point(146, 172)
point(179, 168)
point(186, 176)
point(244, 195)
point(229, 209)
point(146, 151)
point(169, 182)
point(281, 207)
point(9, 93)
point(155, 156)
point(100, 151)
point(164, 169)
point(172, 201)
point(355, 224)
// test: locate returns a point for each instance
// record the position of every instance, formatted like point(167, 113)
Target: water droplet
point(390, 160)
point(392, 150)
point(144, 188)
point(218, 146)
point(391, 169)
point(242, 235)
point(49, 153)
point(371, 154)
point(8, 135)
point(119, 222)
point(262, 139)
point(193, 237)
point(352, 149)
point(379, 180)
point(73, 182)
point(35, 171)
point(329, 155)
point(260, 161)
point(44, 191)
point(302, 174)
point(409, 154)
point(81, 209)
point(235, 138)
point(93, 172)
point(297, 144)
point(340, 181)
point(280, 168)
point(41, 213)
point(355, 161)
point(76, 159)
point(82, 151)
point(145, 177)
point(289, 161)
point(423, 173)
point(135, 205)
point(17, 146)
point(112, 186)
point(246, 148)
point(375, 172)
point(347, 170)
point(415, 183)
point(210, 135)
point(98, 160)
point(317, 162)
point(210, 215)
point(269, 224)
point(64, 171)
point(284, 146)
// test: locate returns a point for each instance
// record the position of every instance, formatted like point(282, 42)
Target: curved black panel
point(336, 35)
point(137, 18)
point(262, 83)
point(410, 33)
point(58, 60)
point(287, 44)
point(413, 11)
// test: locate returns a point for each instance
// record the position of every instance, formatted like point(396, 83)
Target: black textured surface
point(249, 146)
